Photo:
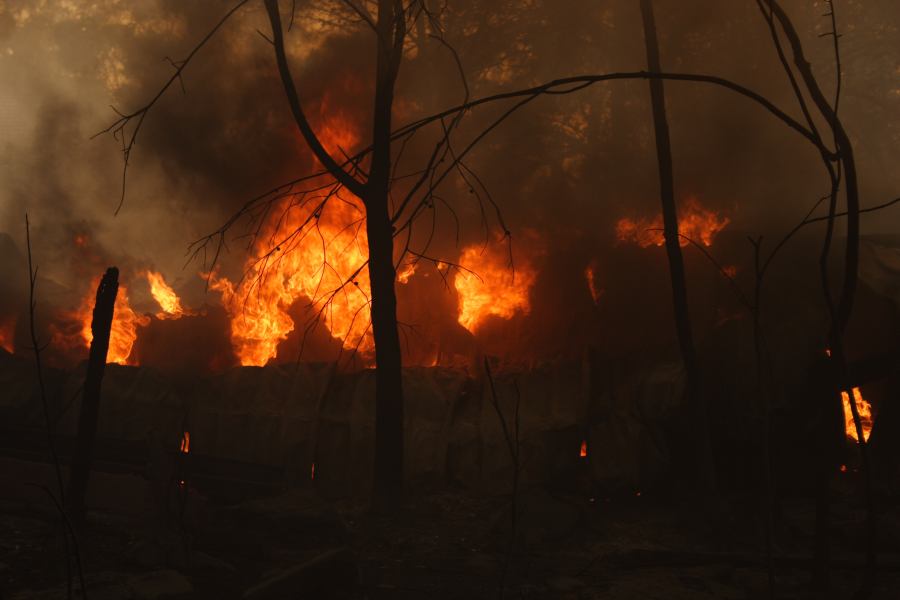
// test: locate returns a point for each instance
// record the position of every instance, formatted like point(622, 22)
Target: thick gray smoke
point(565, 167)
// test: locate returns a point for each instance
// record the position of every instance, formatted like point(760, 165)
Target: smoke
point(565, 166)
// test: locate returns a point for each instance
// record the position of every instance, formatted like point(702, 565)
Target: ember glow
point(694, 222)
point(488, 286)
point(583, 452)
point(185, 447)
point(310, 253)
point(865, 415)
point(7, 333)
point(165, 296)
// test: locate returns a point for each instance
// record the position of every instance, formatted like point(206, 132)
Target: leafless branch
point(119, 127)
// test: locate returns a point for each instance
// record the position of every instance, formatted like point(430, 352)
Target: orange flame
point(164, 295)
point(185, 443)
point(124, 326)
point(694, 222)
point(318, 256)
point(488, 286)
point(865, 415)
point(583, 452)
point(862, 406)
point(405, 272)
point(591, 278)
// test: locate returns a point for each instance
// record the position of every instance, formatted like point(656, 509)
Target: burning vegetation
point(490, 285)
point(865, 415)
point(125, 327)
point(695, 223)
point(311, 250)
point(165, 296)
point(405, 291)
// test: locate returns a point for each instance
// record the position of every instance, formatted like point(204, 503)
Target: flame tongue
point(164, 295)
point(313, 249)
point(405, 272)
point(596, 291)
point(694, 223)
point(865, 415)
point(487, 286)
point(124, 326)
point(316, 266)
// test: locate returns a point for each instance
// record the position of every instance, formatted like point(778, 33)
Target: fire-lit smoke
point(307, 252)
point(122, 335)
point(488, 285)
point(865, 415)
point(695, 223)
point(165, 296)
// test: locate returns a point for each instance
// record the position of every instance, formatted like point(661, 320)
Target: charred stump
point(101, 324)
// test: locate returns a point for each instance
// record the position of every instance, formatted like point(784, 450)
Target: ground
point(439, 544)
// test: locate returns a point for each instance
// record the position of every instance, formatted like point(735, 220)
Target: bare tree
point(70, 539)
point(694, 396)
point(390, 25)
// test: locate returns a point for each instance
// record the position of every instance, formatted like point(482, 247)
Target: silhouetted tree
point(694, 396)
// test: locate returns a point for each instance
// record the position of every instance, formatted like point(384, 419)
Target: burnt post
point(101, 324)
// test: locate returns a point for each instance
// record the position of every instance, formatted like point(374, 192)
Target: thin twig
point(51, 445)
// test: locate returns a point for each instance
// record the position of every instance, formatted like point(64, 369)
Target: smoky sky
point(565, 166)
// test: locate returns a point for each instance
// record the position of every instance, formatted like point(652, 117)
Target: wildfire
point(165, 296)
point(185, 447)
point(865, 415)
point(583, 452)
point(304, 251)
point(124, 326)
point(488, 286)
point(694, 222)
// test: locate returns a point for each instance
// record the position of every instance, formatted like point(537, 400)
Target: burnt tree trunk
point(705, 476)
point(101, 323)
point(840, 312)
point(388, 484)
point(374, 192)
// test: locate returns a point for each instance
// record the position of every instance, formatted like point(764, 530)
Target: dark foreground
point(438, 545)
